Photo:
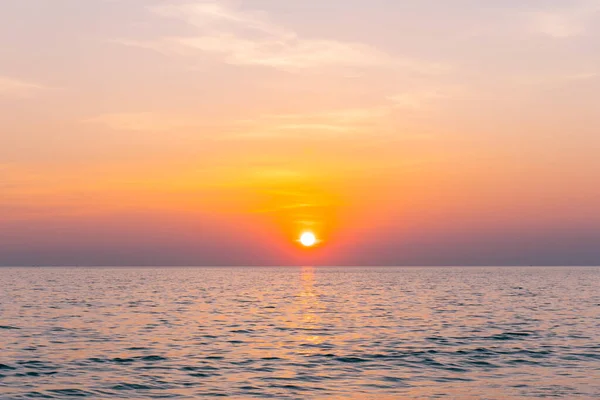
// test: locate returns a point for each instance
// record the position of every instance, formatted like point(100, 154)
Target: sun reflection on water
point(309, 311)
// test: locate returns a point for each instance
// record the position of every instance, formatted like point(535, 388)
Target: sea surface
point(300, 333)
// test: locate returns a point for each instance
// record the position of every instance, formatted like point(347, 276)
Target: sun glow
point(308, 239)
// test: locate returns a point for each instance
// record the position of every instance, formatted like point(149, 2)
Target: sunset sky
point(146, 132)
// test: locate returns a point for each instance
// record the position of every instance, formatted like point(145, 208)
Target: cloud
point(334, 123)
point(264, 126)
point(17, 88)
point(582, 76)
point(567, 22)
point(557, 25)
point(558, 79)
point(143, 121)
point(250, 38)
point(314, 125)
point(415, 100)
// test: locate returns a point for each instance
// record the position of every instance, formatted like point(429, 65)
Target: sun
point(308, 239)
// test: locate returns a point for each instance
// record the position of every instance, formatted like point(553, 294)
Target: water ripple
point(300, 333)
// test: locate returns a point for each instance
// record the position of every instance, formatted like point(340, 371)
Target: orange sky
point(216, 132)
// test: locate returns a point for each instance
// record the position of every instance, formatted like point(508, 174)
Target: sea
point(300, 333)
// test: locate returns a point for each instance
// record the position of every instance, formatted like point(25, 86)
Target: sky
point(216, 132)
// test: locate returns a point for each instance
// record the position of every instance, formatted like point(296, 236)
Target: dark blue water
point(300, 333)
